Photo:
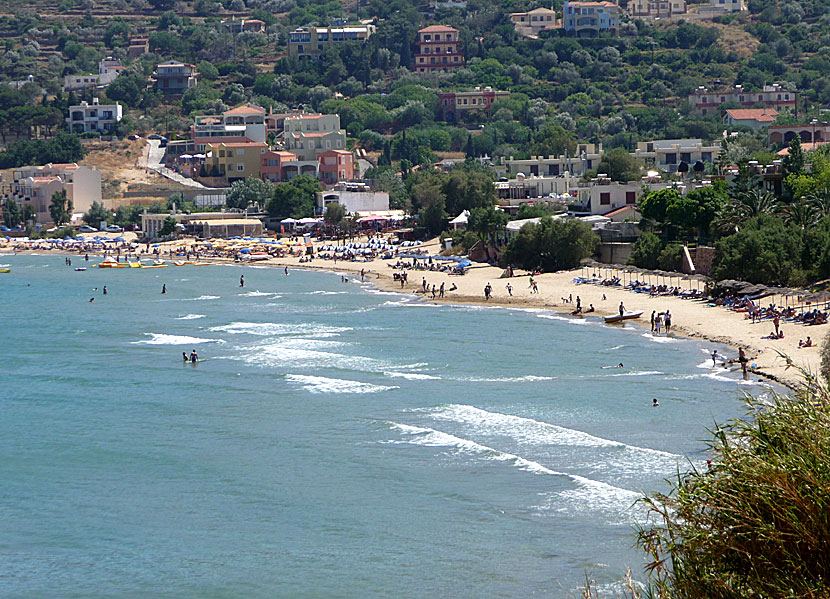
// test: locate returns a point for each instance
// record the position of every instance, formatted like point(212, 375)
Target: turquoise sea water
point(333, 441)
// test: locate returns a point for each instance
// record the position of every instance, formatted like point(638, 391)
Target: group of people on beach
point(659, 320)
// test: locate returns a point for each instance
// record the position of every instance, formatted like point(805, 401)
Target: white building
point(533, 187)
point(36, 184)
point(93, 117)
point(309, 135)
point(354, 197)
point(728, 5)
point(108, 69)
point(668, 154)
point(585, 158)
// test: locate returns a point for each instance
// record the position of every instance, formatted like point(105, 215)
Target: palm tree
point(743, 206)
point(819, 200)
point(800, 214)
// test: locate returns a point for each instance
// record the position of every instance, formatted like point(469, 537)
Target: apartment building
point(656, 8)
point(36, 185)
point(244, 123)
point(668, 154)
point(706, 101)
point(235, 161)
point(585, 158)
point(754, 118)
point(330, 166)
point(439, 49)
point(310, 41)
point(530, 24)
point(536, 188)
point(590, 19)
point(173, 77)
point(309, 135)
point(454, 104)
point(93, 117)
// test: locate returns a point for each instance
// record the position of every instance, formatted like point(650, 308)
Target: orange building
point(438, 49)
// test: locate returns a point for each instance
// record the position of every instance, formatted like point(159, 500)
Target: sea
point(333, 441)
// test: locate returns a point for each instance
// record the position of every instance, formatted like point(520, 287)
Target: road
point(155, 158)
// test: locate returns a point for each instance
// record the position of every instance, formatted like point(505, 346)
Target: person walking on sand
point(667, 322)
point(653, 312)
point(242, 281)
point(433, 290)
point(509, 288)
point(487, 291)
point(776, 321)
point(534, 287)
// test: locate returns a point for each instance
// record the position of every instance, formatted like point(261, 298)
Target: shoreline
point(694, 320)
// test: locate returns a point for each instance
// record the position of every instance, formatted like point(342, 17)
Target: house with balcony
point(173, 77)
point(706, 101)
point(244, 123)
point(93, 117)
point(330, 166)
point(108, 69)
point(35, 185)
point(656, 9)
point(667, 155)
point(234, 161)
point(439, 49)
point(309, 135)
point(590, 19)
point(585, 158)
point(530, 24)
point(310, 41)
point(454, 104)
point(813, 132)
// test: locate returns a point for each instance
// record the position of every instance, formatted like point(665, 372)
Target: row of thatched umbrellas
point(628, 274)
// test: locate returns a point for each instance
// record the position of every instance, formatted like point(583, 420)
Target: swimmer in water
point(184, 356)
point(655, 403)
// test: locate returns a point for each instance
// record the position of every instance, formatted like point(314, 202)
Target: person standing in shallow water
point(163, 288)
point(242, 281)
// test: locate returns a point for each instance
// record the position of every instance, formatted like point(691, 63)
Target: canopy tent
point(461, 220)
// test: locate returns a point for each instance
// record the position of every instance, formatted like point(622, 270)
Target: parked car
point(115, 229)
point(87, 229)
point(134, 137)
point(163, 143)
point(154, 136)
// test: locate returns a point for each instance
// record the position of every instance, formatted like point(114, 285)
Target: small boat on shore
point(623, 317)
point(80, 269)
point(154, 266)
point(5, 270)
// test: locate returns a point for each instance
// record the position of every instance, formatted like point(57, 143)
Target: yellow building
point(531, 23)
point(234, 161)
point(310, 41)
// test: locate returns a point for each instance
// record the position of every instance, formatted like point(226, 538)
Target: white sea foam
point(658, 339)
point(163, 339)
point(278, 355)
point(202, 298)
point(530, 431)
point(277, 328)
point(413, 376)
point(257, 294)
point(433, 438)
point(190, 317)
point(564, 318)
point(616, 347)
point(320, 384)
point(637, 373)
point(530, 378)
point(321, 292)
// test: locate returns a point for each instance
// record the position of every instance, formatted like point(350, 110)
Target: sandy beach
point(690, 318)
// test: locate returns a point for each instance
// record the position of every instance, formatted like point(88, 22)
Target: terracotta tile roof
point(245, 109)
point(761, 115)
point(437, 29)
point(806, 146)
point(247, 144)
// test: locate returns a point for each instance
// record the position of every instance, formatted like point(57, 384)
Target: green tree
point(656, 203)
point(296, 198)
point(645, 252)
point(794, 161)
point(96, 214)
point(551, 245)
point(11, 213)
point(128, 88)
point(60, 208)
point(169, 227)
point(250, 191)
point(619, 165)
point(429, 200)
point(335, 214)
point(484, 222)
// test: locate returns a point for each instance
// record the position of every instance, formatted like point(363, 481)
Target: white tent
point(460, 221)
point(288, 221)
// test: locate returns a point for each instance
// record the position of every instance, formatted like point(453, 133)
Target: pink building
point(335, 165)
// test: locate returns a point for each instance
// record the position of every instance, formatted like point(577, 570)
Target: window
point(605, 198)
point(240, 167)
point(240, 152)
point(630, 197)
point(328, 144)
